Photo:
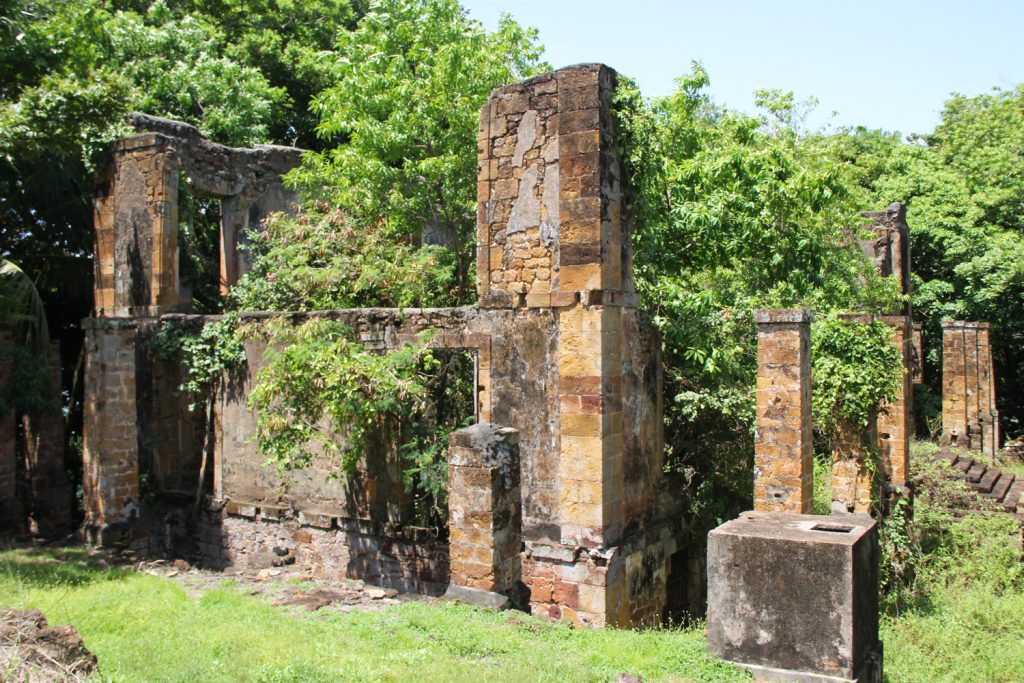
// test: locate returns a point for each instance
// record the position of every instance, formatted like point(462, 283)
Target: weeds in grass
point(147, 628)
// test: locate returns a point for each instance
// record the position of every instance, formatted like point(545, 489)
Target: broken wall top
point(890, 249)
point(213, 169)
point(137, 219)
point(550, 218)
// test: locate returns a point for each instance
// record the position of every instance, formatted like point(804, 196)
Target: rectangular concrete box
point(795, 597)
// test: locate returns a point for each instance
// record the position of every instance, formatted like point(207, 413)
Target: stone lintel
point(768, 316)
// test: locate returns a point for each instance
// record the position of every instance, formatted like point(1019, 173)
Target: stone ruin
point(783, 446)
point(557, 494)
point(969, 415)
point(35, 493)
point(136, 211)
point(814, 615)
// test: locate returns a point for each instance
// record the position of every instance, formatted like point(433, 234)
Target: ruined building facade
point(969, 415)
point(558, 490)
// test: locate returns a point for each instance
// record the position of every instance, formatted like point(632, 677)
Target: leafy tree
point(322, 260)
point(732, 212)
point(243, 71)
point(963, 186)
point(409, 84)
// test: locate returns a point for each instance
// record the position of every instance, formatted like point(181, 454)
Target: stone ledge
point(477, 596)
point(767, 316)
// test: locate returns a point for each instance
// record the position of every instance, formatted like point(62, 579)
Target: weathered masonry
point(558, 492)
point(784, 445)
point(969, 415)
point(136, 211)
point(793, 596)
point(36, 496)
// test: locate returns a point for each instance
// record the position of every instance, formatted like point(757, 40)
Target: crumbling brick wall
point(564, 357)
point(35, 492)
point(136, 211)
point(49, 489)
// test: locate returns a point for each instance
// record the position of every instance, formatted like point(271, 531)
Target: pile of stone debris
point(31, 650)
point(1013, 451)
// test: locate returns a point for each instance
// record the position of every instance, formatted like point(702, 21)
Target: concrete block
point(795, 597)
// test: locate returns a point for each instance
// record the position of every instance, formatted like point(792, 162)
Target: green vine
point(857, 368)
point(322, 392)
point(207, 354)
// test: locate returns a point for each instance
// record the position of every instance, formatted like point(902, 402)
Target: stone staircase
point(1004, 489)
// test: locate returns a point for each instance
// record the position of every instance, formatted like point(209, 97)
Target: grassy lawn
point(147, 628)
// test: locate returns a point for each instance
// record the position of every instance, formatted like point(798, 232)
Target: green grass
point(963, 616)
point(146, 628)
point(1016, 468)
point(969, 635)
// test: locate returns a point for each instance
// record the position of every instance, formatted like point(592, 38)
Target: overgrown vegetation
point(734, 212)
point(950, 579)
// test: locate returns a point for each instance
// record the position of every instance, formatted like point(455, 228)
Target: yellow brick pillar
point(783, 442)
point(894, 418)
point(954, 383)
point(553, 240)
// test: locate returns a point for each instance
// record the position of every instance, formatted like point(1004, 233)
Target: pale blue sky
point(881, 64)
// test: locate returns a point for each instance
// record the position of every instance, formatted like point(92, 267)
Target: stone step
point(976, 472)
point(1003, 485)
point(962, 464)
point(987, 481)
point(1014, 496)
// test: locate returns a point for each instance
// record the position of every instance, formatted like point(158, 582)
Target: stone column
point(553, 238)
point(972, 393)
point(49, 486)
point(783, 442)
point(110, 438)
point(954, 383)
point(918, 374)
point(485, 510)
point(10, 509)
point(895, 423)
point(136, 220)
point(988, 414)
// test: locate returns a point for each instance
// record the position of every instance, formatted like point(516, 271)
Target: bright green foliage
point(323, 260)
point(856, 369)
point(207, 355)
point(321, 387)
point(402, 114)
point(963, 185)
point(953, 588)
point(91, 64)
point(287, 41)
point(732, 213)
point(405, 106)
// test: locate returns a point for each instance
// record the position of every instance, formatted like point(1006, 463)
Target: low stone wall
point(335, 547)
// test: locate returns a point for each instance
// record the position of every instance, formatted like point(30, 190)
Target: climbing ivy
point(856, 368)
point(207, 354)
point(322, 392)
